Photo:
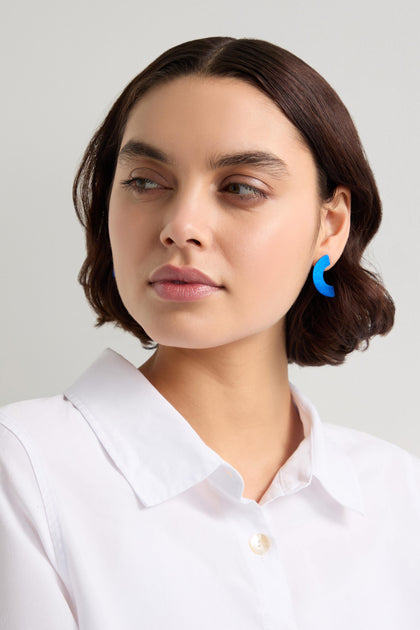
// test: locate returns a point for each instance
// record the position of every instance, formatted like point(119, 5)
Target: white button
point(259, 543)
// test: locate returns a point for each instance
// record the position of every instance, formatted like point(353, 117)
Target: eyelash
point(257, 193)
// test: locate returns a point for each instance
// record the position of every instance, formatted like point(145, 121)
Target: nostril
point(168, 241)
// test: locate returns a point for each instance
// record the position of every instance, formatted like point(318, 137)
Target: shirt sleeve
point(32, 593)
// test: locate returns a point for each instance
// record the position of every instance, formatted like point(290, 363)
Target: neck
point(236, 397)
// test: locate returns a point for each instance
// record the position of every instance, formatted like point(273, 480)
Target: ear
point(335, 226)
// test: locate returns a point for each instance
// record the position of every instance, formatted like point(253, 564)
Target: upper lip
point(181, 274)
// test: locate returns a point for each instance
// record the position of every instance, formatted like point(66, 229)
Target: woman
point(201, 489)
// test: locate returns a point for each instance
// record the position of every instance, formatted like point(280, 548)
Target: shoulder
point(44, 428)
point(374, 459)
point(366, 448)
point(36, 414)
point(28, 410)
point(385, 471)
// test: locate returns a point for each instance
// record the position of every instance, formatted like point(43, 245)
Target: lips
point(187, 275)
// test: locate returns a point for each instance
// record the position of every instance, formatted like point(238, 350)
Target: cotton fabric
point(114, 514)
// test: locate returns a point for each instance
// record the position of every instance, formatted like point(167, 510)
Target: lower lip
point(183, 292)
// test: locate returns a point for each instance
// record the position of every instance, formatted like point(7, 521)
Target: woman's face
point(249, 222)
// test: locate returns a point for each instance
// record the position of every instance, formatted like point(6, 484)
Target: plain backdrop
point(63, 65)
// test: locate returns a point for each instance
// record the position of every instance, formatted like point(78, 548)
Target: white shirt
point(115, 515)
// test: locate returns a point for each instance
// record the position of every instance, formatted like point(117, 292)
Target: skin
point(221, 360)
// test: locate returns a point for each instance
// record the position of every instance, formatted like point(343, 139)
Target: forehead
point(210, 110)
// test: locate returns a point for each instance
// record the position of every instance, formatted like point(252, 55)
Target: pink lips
point(182, 284)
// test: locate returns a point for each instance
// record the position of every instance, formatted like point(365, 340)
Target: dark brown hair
point(319, 330)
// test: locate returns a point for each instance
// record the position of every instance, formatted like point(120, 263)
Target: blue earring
point(318, 277)
point(113, 273)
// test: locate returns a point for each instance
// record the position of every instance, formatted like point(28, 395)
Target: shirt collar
point(161, 455)
point(324, 459)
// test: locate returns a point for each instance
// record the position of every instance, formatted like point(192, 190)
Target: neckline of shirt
point(161, 455)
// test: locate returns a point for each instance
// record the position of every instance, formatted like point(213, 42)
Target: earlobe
point(335, 225)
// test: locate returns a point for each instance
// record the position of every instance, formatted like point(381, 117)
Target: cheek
point(129, 234)
point(278, 256)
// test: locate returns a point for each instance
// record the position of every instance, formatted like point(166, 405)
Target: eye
point(234, 187)
point(140, 184)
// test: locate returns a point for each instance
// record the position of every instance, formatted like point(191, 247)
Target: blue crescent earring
point(318, 277)
point(113, 273)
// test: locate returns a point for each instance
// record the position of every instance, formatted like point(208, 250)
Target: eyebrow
point(256, 158)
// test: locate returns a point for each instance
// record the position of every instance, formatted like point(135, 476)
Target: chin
point(181, 330)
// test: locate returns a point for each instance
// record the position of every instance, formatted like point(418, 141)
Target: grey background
point(63, 65)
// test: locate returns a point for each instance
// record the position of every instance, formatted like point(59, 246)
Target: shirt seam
point(46, 495)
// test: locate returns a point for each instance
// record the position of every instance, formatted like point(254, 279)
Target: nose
point(187, 223)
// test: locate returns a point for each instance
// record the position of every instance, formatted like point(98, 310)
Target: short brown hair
point(319, 330)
